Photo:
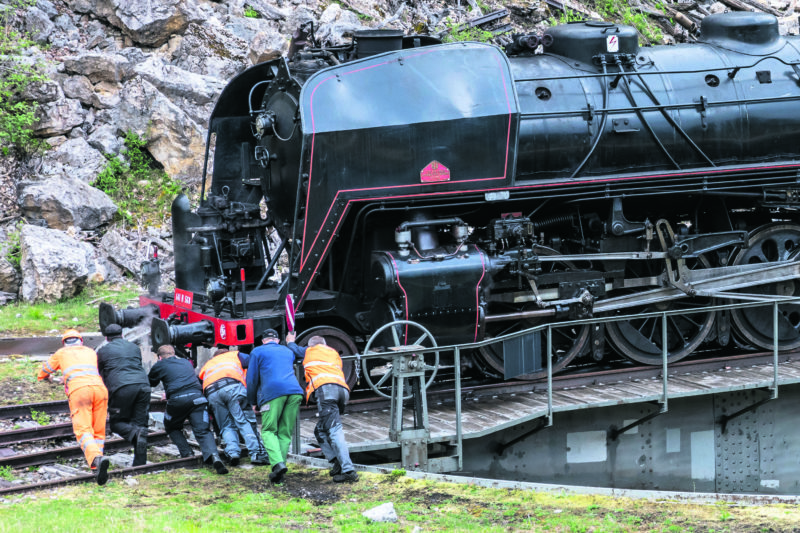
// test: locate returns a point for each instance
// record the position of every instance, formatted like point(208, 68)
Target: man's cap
point(270, 333)
point(113, 330)
point(166, 349)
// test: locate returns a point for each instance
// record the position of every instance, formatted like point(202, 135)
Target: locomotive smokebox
point(587, 40)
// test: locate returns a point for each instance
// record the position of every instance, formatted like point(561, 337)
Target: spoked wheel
point(771, 244)
point(568, 342)
point(641, 339)
point(339, 341)
point(396, 336)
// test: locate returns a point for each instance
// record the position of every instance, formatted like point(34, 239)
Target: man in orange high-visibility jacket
point(88, 398)
point(224, 386)
point(324, 375)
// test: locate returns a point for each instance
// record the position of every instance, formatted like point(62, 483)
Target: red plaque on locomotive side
point(183, 298)
point(434, 171)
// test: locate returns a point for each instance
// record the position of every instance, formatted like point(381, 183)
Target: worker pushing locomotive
point(472, 192)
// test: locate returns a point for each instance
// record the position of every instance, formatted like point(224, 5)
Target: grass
point(244, 501)
point(79, 312)
point(19, 383)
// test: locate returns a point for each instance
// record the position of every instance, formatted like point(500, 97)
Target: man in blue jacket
point(273, 386)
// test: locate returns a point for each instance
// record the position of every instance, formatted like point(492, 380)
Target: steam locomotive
point(469, 191)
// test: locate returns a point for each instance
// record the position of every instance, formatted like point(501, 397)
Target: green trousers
point(278, 417)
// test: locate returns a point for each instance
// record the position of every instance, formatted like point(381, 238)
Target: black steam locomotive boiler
point(468, 191)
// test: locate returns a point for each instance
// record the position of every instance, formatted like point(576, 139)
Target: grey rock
point(268, 10)
point(211, 50)
point(64, 23)
point(8, 297)
point(147, 22)
point(173, 138)
point(267, 45)
point(381, 513)
point(43, 91)
point(64, 202)
point(104, 139)
point(122, 252)
point(74, 158)
point(54, 265)
point(78, 87)
point(47, 7)
point(335, 23)
point(59, 117)
point(9, 277)
point(173, 81)
point(98, 66)
point(38, 24)
point(106, 95)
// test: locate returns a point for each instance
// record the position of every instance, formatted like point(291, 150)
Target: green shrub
point(462, 32)
point(621, 11)
point(17, 116)
point(142, 191)
point(249, 12)
point(6, 473)
point(40, 417)
point(13, 251)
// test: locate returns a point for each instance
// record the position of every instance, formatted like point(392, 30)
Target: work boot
point(234, 460)
point(219, 466)
point(336, 469)
point(259, 460)
point(278, 471)
point(346, 477)
point(140, 450)
point(100, 469)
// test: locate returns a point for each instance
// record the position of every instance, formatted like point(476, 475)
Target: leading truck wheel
point(771, 244)
point(397, 336)
point(339, 341)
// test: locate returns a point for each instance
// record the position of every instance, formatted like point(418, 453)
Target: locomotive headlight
point(264, 123)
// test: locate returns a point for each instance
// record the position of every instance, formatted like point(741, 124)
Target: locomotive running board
point(709, 282)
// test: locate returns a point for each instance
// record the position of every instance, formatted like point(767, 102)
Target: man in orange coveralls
point(88, 398)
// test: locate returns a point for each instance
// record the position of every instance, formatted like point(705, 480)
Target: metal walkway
point(368, 431)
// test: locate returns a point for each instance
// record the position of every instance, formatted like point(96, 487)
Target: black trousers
point(129, 410)
point(192, 406)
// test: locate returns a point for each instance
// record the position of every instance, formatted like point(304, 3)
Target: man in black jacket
point(120, 365)
point(185, 400)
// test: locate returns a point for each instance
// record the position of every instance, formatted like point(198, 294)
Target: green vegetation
point(7, 473)
point(462, 32)
point(40, 417)
point(142, 191)
point(78, 312)
point(12, 251)
point(245, 501)
point(565, 17)
point(17, 116)
point(250, 12)
point(397, 473)
point(621, 11)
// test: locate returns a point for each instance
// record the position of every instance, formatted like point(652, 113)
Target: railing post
point(775, 350)
point(549, 355)
point(664, 355)
point(459, 442)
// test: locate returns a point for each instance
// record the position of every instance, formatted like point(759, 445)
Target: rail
point(419, 352)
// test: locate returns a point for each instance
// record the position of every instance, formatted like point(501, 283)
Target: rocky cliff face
point(155, 68)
